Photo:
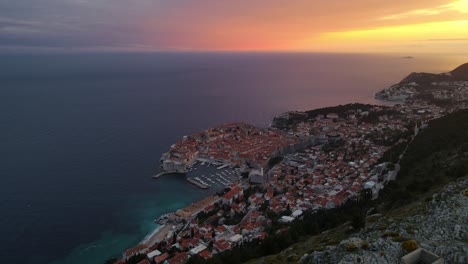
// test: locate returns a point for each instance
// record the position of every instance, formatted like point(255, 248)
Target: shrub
point(409, 246)
point(398, 239)
point(365, 246)
point(293, 258)
point(333, 242)
point(358, 221)
point(351, 247)
point(410, 230)
point(390, 234)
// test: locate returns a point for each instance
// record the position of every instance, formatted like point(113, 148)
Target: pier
point(197, 183)
point(223, 166)
point(157, 176)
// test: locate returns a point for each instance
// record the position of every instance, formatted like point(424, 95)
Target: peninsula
point(321, 164)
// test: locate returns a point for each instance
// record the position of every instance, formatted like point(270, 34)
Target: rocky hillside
point(437, 224)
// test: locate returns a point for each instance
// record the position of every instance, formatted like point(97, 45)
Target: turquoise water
point(171, 195)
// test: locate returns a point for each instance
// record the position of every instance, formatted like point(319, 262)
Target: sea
point(81, 134)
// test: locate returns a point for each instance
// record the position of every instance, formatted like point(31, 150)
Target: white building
point(256, 176)
point(296, 213)
point(286, 219)
point(235, 238)
point(153, 254)
point(197, 249)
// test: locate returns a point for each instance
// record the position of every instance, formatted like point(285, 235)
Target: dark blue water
point(81, 134)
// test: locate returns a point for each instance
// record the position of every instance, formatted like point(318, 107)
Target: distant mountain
point(458, 74)
point(423, 78)
point(461, 72)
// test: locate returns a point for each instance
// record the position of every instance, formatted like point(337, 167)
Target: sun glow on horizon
point(416, 37)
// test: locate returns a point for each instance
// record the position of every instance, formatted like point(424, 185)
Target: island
point(321, 167)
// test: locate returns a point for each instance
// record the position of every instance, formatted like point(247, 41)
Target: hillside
point(436, 224)
point(458, 74)
point(438, 155)
point(290, 119)
point(461, 72)
point(423, 78)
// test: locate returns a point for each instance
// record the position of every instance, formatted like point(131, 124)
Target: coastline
point(186, 153)
point(157, 235)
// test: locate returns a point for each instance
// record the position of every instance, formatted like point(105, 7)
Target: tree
point(195, 260)
point(111, 261)
point(136, 258)
point(265, 205)
point(358, 221)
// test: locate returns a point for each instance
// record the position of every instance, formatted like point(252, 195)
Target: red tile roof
point(179, 258)
point(161, 258)
point(205, 254)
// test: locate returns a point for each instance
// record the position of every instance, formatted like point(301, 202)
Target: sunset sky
point(402, 26)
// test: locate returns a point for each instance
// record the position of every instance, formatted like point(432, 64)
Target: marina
point(206, 176)
point(211, 177)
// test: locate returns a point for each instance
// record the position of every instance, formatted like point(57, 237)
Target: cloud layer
point(225, 25)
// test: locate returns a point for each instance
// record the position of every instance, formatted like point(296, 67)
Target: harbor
point(213, 178)
point(206, 176)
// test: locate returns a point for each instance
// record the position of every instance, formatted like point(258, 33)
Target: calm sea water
point(81, 134)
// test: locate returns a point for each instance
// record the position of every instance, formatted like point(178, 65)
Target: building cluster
point(449, 91)
point(456, 91)
point(235, 144)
